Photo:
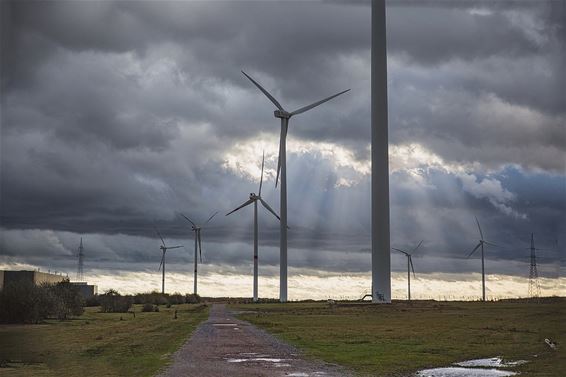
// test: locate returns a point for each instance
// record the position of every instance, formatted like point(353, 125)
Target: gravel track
point(225, 346)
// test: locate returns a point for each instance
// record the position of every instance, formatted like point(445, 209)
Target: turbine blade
point(261, 179)
point(199, 247)
point(159, 234)
point(412, 267)
point(210, 218)
point(479, 227)
point(271, 98)
point(174, 247)
point(401, 251)
point(242, 206)
point(162, 260)
point(269, 208)
point(307, 108)
point(419, 245)
point(189, 220)
point(491, 244)
point(473, 251)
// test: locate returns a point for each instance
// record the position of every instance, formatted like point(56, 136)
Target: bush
point(92, 301)
point(154, 297)
point(67, 300)
point(25, 302)
point(113, 302)
point(147, 307)
point(176, 299)
point(192, 299)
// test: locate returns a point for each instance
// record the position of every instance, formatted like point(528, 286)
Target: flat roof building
point(35, 277)
point(86, 290)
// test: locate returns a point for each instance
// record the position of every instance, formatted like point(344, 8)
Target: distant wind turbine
point(197, 229)
point(409, 266)
point(480, 245)
point(282, 114)
point(164, 249)
point(254, 199)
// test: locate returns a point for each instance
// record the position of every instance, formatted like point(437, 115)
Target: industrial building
point(86, 290)
point(35, 277)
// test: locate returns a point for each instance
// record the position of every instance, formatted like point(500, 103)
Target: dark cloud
point(118, 115)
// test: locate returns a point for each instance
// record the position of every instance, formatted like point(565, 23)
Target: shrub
point(154, 297)
point(25, 302)
point(113, 302)
point(176, 299)
point(192, 299)
point(147, 307)
point(92, 301)
point(67, 300)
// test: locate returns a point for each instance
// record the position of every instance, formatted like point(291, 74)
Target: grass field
point(401, 338)
point(98, 344)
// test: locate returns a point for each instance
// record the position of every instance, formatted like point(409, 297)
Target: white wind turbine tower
point(409, 266)
point(284, 115)
point(164, 249)
point(380, 245)
point(197, 229)
point(480, 245)
point(254, 199)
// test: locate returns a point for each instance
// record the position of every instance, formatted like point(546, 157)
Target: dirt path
point(227, 347)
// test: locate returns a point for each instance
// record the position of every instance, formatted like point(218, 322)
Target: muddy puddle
point(252, 357)
point(493, 362)
point(488, 367)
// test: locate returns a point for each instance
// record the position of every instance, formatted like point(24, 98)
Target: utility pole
point(534, 286)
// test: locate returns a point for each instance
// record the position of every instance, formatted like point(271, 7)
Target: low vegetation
point(25, 302)
point(401, 338)
point(99, 344)
point(111, 297)
point(113, 302)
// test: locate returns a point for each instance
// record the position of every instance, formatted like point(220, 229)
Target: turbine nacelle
point(253, 196)
point(282, 114)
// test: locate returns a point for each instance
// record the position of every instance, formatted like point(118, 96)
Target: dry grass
point(399, 339)
point(98, 344)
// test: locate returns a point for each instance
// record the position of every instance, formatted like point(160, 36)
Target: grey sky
point(118, 114)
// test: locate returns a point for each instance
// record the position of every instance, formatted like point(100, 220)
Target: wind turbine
point(197, 229)
point(480, 245)
point(254, 199)
point(284, 115)
point(409, 266)
point(164, 249)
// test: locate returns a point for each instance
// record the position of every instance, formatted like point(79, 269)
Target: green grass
point(98, 344)
point(401, 338)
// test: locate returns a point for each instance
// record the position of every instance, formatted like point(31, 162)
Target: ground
point(365, 339)
point(401, 338)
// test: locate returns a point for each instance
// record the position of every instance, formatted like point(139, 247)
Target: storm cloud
point(116, 116)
